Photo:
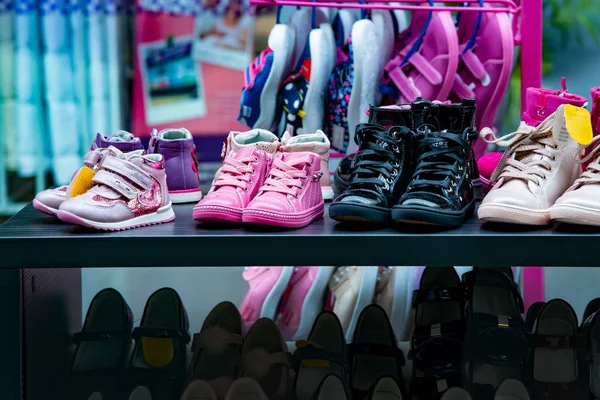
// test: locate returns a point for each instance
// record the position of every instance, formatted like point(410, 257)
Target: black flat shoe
point(437, 343)
point(558, 364)
point(159, 360)
point(590, 331)
point(496, 344)
point(591, 308)
point(374, 352)
point(532, 314)
point(322, 354)
point(103, 347)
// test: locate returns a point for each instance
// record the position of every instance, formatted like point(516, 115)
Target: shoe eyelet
point(395, 172)
point(253, 171)
point(389, 180)
point(255, 160)
point(245, 189)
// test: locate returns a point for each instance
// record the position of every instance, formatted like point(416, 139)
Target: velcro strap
point(460, 88)
point(448, 294)
point(92, 158)
point(381, 350)
point(115, 182)
point(215, 338)
point(558, 342)
point(406, 87)
point(422, 65)
point(474, 65)
point(167, 333)
point(317, 354)
point(81, 337)
point(128, 170)
point(499, 321)
point(447, 328)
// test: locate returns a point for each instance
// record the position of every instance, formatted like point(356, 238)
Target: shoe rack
point(40, 277)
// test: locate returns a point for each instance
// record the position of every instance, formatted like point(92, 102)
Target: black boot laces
point(442, 160)
point(376, 162)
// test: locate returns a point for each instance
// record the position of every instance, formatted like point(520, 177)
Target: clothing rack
point(527, 24)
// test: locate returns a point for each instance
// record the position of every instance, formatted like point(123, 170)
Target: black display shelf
point(33, 240)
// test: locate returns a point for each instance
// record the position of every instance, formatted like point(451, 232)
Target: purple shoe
point(48, 201)
point(179, 152)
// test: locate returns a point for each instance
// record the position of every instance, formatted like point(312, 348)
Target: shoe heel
point(478, 189)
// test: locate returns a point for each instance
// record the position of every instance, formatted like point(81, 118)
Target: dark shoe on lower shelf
point(496, 342)
point(103, 347)
point(265, 359)
point(321, 355)
point(374, 352)
point(591, 308)
point(511, 389)
point(217, 347)
point(159, 359)
point(559, 368)
point(590, 331)
point(332, 388)
point(532, 313)
point(437, 342)
point(456, 393)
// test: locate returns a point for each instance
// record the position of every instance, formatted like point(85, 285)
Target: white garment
point(62, 117)
point(33, 141)
point(59, 79)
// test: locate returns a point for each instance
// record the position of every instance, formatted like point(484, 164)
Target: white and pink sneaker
point(130, 191)
point(267, 286)
point(303, 301)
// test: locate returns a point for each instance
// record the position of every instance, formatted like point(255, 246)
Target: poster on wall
point(226, 38)
point(171, 80)
point(188, 69)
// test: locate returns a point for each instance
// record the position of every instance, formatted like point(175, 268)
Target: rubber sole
point(164, 214)
point(420, 215)
point(259, 217)
point(44, 208)
point(359, 213)
point(576, 215)
point(185, 196)
point(217, 214)
point(513, 215)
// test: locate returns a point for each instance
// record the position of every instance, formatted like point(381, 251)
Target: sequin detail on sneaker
point(146, 202)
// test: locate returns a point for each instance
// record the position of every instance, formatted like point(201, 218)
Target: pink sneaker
point(485, 66)
point(267, 286)
point(427, 68)
point(247, 160)
point(48, 201)
point(291, 196)
point(130, 191)
point(315, 143)
point(303, 301)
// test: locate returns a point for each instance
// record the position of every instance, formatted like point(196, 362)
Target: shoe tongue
point(244, 151)
point(540, 103)
point(256, 138)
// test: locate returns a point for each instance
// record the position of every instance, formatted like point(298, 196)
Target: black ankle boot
point(436, 116)
point(380, 173)
point(441, 191)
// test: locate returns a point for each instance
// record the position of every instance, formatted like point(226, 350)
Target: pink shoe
point(48, 201)
point(267, 286)
point(424, 69)
point(130, 191)
point(247, 160)
point(303, 302)
point(315, 143)
point(291, 196)
point(485, 66)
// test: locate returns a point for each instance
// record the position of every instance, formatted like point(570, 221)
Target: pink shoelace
point(236, 172)
point(287, 176)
